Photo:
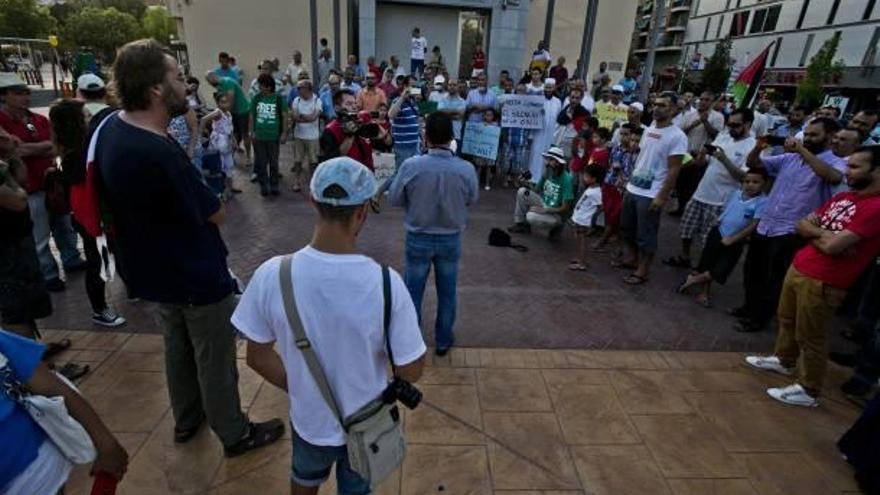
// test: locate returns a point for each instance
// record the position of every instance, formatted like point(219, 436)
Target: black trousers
point(686, 183)
point(766, 263)
point(868, 329)
point(94, 282)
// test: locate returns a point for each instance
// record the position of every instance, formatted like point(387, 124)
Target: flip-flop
point(73, 371)
point(677, 261)
point(621, 264)
point(633, 279)
point(55, 348)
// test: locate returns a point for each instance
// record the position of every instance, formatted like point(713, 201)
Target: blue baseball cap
point(356, 181)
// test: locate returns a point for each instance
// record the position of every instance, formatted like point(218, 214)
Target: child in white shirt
point(588, 207)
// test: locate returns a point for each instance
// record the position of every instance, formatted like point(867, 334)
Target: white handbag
point(51, 414)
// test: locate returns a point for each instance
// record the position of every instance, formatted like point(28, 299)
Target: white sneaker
point(794, 395)
point(108, 318)
point(769, 363)
point(488, 188)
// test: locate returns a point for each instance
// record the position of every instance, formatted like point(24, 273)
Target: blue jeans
point(443, 251)
point(47, 223)
point(312, 463)
point(402, 153)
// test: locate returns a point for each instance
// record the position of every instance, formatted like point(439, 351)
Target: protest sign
point(840, 102)
point(522, 111)
point(609, 114)
point(481, 140)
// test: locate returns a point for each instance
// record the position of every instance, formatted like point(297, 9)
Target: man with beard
point(571, 118)
point(165, 221)
point(369, 98)
point(804, 177)
point(701, 127)
point(543, 138)
point(843, 238)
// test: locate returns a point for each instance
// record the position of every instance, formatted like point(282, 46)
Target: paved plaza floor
point(563, 383)
point(507, 422)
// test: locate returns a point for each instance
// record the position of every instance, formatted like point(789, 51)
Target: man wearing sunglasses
point(33, 136)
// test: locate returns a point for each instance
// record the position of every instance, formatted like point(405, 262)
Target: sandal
point(678, 261)
point(683, 287)
point(622, 264)
point(73, 371)
point(55, 348)
point(258, 435)
point(704, 302)
point(633, 279)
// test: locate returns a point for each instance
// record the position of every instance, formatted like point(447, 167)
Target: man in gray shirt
point(435, 189)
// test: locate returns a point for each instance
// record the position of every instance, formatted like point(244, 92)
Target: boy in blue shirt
point(725, 242)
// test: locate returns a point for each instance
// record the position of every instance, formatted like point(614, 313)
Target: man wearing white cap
point(543, 138)
point(329, 301)
point(91, 89)
point(547, 204)
point(439, 92)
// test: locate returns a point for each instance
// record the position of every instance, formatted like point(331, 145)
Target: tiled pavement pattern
point(508, 422)
point(507, 299)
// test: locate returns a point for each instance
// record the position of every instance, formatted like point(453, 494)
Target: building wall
point(212, 26)
point(396, 22)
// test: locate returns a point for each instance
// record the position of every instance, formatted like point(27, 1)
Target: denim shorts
point(312, 464)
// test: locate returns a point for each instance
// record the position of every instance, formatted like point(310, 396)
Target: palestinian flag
point(746, 85)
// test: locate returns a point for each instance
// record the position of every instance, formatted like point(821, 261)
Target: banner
point(609, 114)
point(481, 140)
point(522, 111)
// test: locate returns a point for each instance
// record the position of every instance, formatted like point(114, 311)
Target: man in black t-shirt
point(165, 222)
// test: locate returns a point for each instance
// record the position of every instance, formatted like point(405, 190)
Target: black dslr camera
point(404, 391)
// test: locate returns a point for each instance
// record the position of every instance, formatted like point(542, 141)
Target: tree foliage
point(25, 19)
point(102, 29)
point(158, 24)
point(821, 69)
point(716, 74)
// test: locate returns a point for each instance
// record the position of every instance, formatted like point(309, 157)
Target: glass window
point(806, 51)
point(758, 21)
point(738, 23)
point(720, 23)
point(772, 18)
point(708, 25)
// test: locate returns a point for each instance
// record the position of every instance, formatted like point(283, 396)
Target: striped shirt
point(405, 126)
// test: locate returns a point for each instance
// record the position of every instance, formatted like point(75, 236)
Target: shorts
point(717, 259)
point(612, 204)
point(312, 465)
point(698, 218)
point(241, 125)
point(638, 224)
point(305, 151)
point(23, 294)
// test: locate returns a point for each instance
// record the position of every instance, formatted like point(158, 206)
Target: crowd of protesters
point(146, 175)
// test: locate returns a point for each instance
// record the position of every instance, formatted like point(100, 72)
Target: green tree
point(821, 69)
point(105, 30)
point(134, 7)
point(25, 19)
point(716, 74)
point(158, 24)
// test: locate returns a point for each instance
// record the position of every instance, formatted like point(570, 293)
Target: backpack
point(500, 238)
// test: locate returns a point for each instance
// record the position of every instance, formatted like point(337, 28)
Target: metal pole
point(548, 22)
point(653, 38)
point(313, 21)
point(587, 39)
point(337, 42)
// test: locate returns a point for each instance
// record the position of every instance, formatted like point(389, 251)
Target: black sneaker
point(845, 359)
point(108, 318)
point(258, 435)
point(55, 285)
point(442, 351)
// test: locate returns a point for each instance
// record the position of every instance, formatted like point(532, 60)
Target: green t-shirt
point(241, 104)
point(268, 112)
point(556, 190)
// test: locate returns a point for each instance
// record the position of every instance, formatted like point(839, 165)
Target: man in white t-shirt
point(338, 294)
point(305, 110)
point(726, 170)
point(701, 127)
point(418, 47)
point(662, 149)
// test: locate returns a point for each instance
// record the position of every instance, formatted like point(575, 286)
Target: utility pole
point(587, 39)
point(313, 26)
point(548, 22)
point(653, 40)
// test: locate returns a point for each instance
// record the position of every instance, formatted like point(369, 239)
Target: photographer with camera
point(547, 204)
point(344, 135)
point(351, 314)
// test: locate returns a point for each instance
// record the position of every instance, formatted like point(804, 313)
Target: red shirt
point(479, 60)
point(579, 162)
point(845, 211)
point(599, 156)
point(36, 165)
point(389, 90)
point(360, 150)
point(375, 70)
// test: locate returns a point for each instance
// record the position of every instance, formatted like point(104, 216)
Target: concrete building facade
point(798, 28)
point(508, 29)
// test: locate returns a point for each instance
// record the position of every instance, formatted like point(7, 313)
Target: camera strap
point(302, 341)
